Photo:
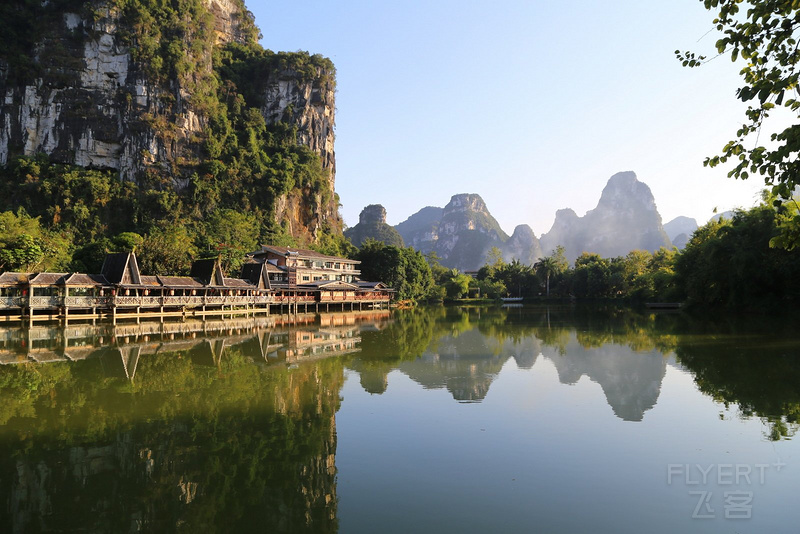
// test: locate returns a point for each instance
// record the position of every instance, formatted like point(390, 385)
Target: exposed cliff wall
point(309, 106)
point(522, 246)
point(421, 229)
point(462, 233)
point(625, 219)
point(143, 91)
point(92, 104)
point(466, 232)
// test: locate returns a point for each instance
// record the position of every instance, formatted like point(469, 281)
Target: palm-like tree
point(546, 267)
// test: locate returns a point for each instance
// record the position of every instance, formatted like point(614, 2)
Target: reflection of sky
point(537, 455)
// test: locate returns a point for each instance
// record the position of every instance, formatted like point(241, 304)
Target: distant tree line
point(745, 261)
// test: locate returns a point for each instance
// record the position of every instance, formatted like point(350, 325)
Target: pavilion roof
point(180, 282)
point(47, 279)
point(14, 278)
point(80, 279)
point(208, 271)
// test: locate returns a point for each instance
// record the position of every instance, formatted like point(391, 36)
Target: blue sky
point(533, 105)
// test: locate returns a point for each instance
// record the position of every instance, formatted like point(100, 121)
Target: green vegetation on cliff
point(217, 199)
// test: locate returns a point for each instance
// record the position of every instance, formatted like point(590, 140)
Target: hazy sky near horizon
point(533, 105)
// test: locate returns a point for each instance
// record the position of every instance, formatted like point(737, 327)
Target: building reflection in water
point(158, 427)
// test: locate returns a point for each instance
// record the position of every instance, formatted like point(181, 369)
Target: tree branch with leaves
point(763, 34)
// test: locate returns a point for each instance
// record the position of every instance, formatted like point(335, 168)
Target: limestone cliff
point(463, 232)
point(421, 229)
point(466, 233)
point(102, 86)
point(92, 104)
point(625, 219)
point(679, 230)
point(372, 225)
point(522, 246)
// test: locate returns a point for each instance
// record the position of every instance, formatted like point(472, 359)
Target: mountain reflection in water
point(231, 425)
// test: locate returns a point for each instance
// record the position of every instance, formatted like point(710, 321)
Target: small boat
point(511, 299)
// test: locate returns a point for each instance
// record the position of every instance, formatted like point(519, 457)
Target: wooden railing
point(82, 302)
point(193, 301)
point(12, 302)
point(135, 301)
point(44, 302)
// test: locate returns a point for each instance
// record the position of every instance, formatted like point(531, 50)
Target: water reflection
point(232, 424)
point(154, 427)
point(631, 380)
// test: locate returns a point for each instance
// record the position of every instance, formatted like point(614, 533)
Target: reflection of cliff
point(465, 364)
point(234, 447)
point(630, 380)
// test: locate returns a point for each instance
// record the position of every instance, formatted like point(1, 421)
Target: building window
point(305, 278)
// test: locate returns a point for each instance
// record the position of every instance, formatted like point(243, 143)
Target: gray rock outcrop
point(372, 225)
point(625, 219)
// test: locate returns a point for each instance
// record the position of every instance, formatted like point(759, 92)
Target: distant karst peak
point(374, 213)
point(466, 202)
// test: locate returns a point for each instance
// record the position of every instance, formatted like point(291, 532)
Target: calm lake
point(559, 419)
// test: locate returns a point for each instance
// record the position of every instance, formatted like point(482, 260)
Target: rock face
point(680, 225)
point(92, 104)
point(680, 241)
point(679, 230)
point(462, 233)
point(372, 225)
point(421, 230)
point(466, 233)
point(625, 219)
point(523, 246)
point(309, 107)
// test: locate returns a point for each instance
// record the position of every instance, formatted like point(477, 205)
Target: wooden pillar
point(137, 315)
point(66, 315)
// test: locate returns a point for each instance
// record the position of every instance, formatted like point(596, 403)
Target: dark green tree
point(403, 269)
point(763, 35)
